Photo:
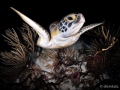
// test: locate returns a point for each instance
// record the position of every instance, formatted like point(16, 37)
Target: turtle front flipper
point(88, 27)
point(43, 34)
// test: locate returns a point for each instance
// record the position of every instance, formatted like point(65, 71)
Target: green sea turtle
point(63, 33)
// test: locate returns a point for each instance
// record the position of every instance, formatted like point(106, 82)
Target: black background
point(45, 12)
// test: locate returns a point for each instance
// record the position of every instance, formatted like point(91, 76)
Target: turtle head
point(71, 24)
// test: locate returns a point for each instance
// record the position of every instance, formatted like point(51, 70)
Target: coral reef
point(78, 67)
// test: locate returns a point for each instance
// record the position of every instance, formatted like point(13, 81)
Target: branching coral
point(29, 36)
point(19, 59)
point(15, 60)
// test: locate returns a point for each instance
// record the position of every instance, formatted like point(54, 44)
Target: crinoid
point(106, 60)
point(106, 44)
point(106, 38)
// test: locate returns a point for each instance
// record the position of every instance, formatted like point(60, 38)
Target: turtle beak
point(80, 18)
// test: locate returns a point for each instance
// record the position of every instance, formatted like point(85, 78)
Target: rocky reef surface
point(82, 66)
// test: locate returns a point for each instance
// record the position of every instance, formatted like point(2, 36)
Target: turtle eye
point(69, 18)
